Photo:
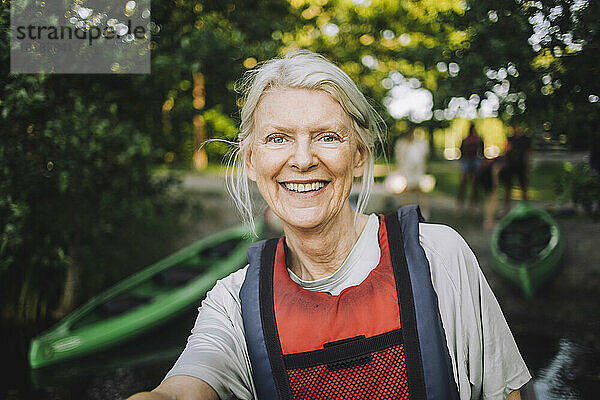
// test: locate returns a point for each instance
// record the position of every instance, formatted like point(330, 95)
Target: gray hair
point(302, 69)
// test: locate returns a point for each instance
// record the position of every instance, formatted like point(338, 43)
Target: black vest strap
point(414, 369)
point(267, 315)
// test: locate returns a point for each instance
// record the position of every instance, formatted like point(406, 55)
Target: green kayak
point(144, 300)
point(527, 247)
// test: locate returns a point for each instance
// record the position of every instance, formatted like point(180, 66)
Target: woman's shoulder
point(441, 237)
point(448, 253)
point(226, 291)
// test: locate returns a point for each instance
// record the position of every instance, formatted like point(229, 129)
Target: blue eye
point(277, 139)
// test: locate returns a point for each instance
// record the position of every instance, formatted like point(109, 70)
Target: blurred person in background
point(411, 158)
point(471, 154)
point(488, 179)
point(517, 159)
point(346, 304)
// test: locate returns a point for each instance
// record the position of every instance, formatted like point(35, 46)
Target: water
point(560, 369)
point(137, 365)
point(573, 373)
point(563, 368)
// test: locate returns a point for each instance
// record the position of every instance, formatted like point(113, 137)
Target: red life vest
point(381, 339)
point(347, 346)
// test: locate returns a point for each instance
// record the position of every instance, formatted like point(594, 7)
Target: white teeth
point(304, 187)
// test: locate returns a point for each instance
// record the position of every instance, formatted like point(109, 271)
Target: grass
point(542, 185)
point(447, 176)
point(542, 179)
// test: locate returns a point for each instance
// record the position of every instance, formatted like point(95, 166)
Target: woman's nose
point(304, 157)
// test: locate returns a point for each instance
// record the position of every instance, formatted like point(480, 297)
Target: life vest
point(382, 339)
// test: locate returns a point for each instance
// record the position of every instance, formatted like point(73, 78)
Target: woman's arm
point(488, 362)
point(215, 360)
point(180, 387)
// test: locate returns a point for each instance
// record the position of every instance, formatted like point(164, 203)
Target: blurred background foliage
point(79, 153)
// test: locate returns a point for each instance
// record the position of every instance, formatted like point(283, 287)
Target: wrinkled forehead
point(300, 109)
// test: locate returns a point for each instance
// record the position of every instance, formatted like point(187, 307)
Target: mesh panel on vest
point(384, 377)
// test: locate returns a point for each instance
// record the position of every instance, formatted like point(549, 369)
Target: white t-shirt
point(485, 359)
point(411, 157)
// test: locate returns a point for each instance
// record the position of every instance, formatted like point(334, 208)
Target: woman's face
point(303, 156)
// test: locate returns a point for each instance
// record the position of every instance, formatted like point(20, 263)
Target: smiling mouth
point(304, 187)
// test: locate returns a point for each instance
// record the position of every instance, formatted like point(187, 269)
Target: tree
point(389, 48)
point(73, 167)
point(78, 151)
point(538, 61)
point(215, 41)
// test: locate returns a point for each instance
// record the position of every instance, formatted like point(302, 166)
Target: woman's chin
point(302, 219)
point(313, 217)
point(303, 224)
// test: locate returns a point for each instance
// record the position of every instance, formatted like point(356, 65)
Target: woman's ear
point(249, 162)
point(359, 162)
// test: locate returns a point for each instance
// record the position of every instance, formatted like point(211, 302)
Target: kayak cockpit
point(524, 239)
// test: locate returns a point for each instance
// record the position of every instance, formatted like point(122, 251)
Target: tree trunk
point(71, 285)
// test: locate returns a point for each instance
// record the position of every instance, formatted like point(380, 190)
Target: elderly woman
point(346, 305)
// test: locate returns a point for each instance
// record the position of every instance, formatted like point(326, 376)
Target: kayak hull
point(143, 301)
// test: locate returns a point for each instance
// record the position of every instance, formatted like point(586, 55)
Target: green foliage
point(10, 238)
point(78, 151)
point(550, 46)
point(409, 38)
point(74, 165)
point(219, 125)
point(71, 174)
point(213, 38)
point(581, 184)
